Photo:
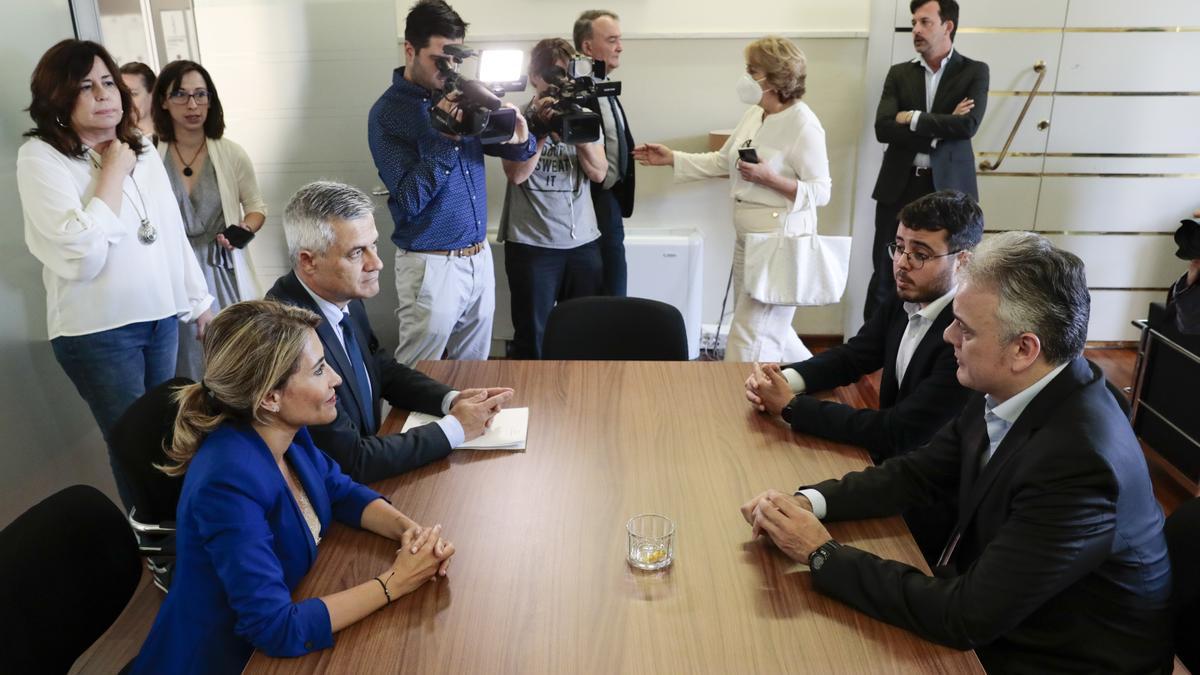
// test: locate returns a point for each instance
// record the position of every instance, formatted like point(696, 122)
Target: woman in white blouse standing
point(214, 185)
point(100, 217)
point(790, 179)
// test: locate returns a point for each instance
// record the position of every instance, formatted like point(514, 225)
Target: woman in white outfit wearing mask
point(790, 178)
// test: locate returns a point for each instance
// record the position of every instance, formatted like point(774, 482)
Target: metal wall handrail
point(1040, 69)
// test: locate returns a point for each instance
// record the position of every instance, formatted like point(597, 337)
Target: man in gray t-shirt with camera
point(548, 225)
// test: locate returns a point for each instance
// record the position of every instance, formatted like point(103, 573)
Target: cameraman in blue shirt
point(438, 199)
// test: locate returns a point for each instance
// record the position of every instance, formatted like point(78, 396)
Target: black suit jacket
point(910, 412)
point(953, 160)
point(362, 455)
point(1060, 565)
point(623, 188)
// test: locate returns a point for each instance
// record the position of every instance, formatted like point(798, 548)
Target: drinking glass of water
point(651, 541)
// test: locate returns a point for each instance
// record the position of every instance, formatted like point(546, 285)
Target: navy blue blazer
point(242, 547)
point(352, 443)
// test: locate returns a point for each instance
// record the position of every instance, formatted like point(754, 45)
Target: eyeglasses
point(180, 97)
point(916, 259)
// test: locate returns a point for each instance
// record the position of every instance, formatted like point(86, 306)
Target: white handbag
point(794, 265)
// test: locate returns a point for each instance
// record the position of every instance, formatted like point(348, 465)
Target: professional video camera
point(573, 91)
point(478, 111)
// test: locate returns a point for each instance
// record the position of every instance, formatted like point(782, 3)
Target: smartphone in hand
point(237, 235)
point(748, 155)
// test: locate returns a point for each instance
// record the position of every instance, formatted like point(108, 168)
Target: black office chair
point(615, 329)
point(70, 567)
point(138, 440)
point(1183, 541)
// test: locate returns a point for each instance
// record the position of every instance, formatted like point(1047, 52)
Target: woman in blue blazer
point(257, 498)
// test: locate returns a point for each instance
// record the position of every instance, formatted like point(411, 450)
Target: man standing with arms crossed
point(930, 108)
point(438, 199)
point(598, 35)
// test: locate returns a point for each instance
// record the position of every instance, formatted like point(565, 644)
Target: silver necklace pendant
point(147, 233)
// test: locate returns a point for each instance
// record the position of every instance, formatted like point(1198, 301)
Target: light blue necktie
point(997, 427)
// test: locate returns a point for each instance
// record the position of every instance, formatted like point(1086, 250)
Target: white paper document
point(507, 432)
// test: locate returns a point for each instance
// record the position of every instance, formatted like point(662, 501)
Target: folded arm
point(951, 126)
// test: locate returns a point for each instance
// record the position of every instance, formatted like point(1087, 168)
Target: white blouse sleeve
point(691, 166)
point(810, 160)
point(69, 237)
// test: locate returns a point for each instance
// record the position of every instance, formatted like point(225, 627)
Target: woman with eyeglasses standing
point(100, 217)
point(215, 186)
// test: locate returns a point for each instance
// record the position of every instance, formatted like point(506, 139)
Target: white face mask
point(748, 90)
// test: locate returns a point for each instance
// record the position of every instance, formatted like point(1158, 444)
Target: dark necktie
point(362, 383)
point(622, 146)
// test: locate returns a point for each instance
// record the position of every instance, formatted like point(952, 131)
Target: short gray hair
point(583, 25)
point(309, 215)
point(1042, 290)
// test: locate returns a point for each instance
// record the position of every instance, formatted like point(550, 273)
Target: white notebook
point(508, 430)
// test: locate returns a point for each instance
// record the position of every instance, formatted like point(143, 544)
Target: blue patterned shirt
point(437, 193)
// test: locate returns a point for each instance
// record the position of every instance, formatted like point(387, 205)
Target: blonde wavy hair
point(782, 63)
point(250, 349)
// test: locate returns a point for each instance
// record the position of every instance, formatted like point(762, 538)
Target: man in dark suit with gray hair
point(930, 108)
point(1057, 562)
point(331, 236)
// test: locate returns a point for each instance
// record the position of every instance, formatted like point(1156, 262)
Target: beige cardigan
point(239, 195)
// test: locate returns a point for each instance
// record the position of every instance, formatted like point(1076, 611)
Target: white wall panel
point(1075, 204)
point(1124, 261)
point(526, 17)
point(1010, 57)
point(1002, 113)
point(1125, 124)
point(298, 103)
point(1130, 62)
point(1146, 14)
point(1126, 165)
point(1009, 202)
point(1009, 13)
point(1112, 312)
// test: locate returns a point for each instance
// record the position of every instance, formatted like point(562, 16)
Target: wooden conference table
point(540, 583)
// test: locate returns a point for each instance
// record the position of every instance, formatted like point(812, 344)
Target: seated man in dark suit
point(1058, 561)
point(918, 391)
point(331, 236)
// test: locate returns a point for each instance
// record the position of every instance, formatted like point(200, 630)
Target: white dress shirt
point(1001, 417)
point(932, 80)
point(919, 321)
point(98, 275)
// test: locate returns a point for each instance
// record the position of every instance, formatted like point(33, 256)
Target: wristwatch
point(786, 413)
point(817, 558)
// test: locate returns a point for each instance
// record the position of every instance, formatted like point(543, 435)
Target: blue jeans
point(539, 277)
point(113, 368)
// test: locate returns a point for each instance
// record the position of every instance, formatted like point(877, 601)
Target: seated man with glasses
point(918, 390)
